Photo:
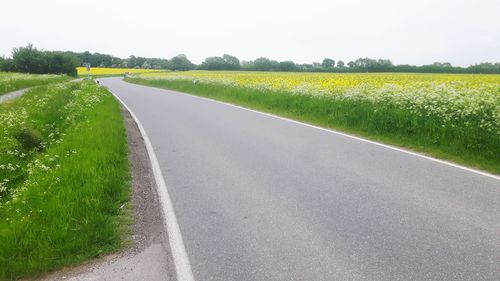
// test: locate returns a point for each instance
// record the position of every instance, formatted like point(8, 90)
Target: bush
point(30, 139)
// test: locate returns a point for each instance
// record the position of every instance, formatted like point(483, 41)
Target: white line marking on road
point(341, 134)
point(180, 257)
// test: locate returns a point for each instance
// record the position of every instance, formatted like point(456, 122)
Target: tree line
point(31, 60)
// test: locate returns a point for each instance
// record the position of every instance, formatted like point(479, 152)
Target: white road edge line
point(182, 266)
point(339, 133)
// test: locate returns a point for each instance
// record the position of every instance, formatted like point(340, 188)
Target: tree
point(139, 62)
point(385, 65)
point(287, 66)
point(180, 62)
point(226, 62)
point(365, 63)
point(213, 63)
point(6, 64)
point(340, 64)
point(350, 64)
point(103, 60)
point(231, 62)
point(131, 62)
point(263, 64)
point(157, 63)
point(29, 60)
point(61, 62)
point(328, 63)
point(484, 67)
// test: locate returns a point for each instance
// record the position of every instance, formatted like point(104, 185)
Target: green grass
point(381, 122)
point(10, 81)
point(61, 203)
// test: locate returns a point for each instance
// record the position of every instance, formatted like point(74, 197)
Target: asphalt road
point(11, 95)
point(260, 198)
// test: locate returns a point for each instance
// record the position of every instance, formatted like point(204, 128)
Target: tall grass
point(62, 193)
point(14, 81)
point(386, 122)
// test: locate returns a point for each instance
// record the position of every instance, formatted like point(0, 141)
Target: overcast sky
point(413, 32)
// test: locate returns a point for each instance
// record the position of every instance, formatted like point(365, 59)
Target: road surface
point(11, 95)
point(262, 198)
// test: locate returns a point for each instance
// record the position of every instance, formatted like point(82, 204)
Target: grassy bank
point(63, 178)
point(471, 145)
point(14, 81)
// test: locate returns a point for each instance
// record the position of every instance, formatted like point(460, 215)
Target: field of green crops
point(60, 197)
point(450, 116)
point(14, 81)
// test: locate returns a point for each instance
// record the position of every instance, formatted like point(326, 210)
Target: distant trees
point(287, 66)
point(371, 65)
point(6, 64)
point(264, 64)
point(29, 59)
point(358, 65)
point(226, 62)
point(232, 62)
point(61, 62)
point(328, 63)
point(213, 63)
point(485, 67)
point(180, 62)
point(101, 60)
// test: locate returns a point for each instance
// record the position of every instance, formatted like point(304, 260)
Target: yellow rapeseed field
point(455, 99)
point(113, 71)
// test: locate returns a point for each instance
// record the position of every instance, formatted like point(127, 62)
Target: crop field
point(451, 116)
point(14, 81)
point(60, 197)
point(103, 71)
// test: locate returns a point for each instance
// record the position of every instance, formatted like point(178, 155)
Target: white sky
point(413, 32)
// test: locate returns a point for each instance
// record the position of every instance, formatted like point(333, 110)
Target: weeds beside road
point(64, 176)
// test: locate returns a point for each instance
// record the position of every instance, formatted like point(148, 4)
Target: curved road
point(261, 198)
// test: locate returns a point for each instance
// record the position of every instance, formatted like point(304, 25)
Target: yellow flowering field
point(113, 71)
point(448, 96)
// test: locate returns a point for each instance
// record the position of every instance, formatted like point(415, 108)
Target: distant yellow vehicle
point(82, 71)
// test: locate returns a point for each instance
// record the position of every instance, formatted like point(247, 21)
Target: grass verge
point(65, 176)
point(10, 82)
point(384, 123)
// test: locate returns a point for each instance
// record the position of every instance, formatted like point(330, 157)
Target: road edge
point(181, 261)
